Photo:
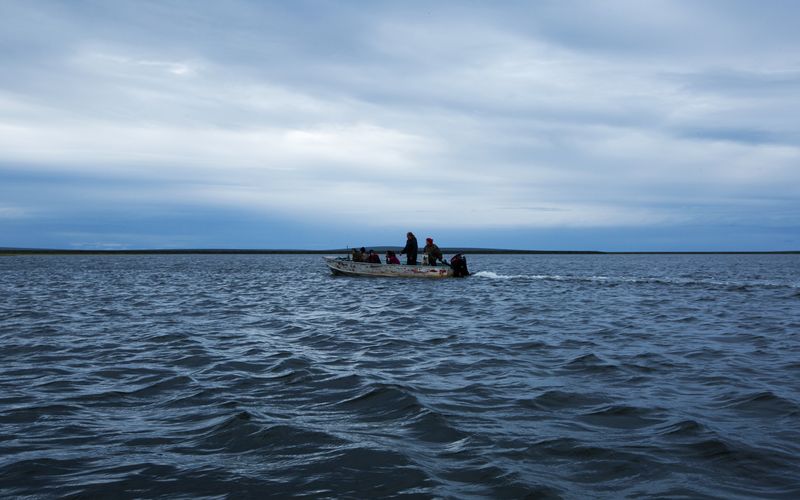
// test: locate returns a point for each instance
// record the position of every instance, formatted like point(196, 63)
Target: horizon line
point(465, 250)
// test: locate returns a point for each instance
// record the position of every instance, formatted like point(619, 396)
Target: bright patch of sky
point(608, 125)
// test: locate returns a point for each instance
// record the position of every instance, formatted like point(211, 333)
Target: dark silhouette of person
point(410, 249)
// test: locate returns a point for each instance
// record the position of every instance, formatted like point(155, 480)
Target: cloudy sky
point(608, 125)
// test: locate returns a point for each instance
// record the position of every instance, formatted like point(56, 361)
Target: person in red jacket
point(391, 258)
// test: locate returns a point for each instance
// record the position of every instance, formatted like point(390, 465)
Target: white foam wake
point(495, 276)
point(666, 280)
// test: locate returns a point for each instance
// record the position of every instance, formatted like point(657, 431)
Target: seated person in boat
point(459, 264)
point(432, 252)
point(359, 255)
point(373, 258)
point(391, 258)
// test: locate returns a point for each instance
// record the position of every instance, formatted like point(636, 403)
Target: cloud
point(12, 212)
point(615, 114)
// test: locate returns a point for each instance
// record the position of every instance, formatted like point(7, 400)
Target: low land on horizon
point(379, 249)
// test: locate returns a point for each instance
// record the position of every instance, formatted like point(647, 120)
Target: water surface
point(264, 375)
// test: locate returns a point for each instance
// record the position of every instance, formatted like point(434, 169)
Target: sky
point(556, 125)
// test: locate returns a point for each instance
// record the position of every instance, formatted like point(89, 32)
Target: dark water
point(542, 376)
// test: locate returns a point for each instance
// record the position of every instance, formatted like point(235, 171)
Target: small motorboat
point(347, 267)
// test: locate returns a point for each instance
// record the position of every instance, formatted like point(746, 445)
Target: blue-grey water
point(265, 376)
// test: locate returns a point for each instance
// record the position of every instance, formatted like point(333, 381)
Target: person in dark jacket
point(432, 252)
point(373, 258)
point(410, 249)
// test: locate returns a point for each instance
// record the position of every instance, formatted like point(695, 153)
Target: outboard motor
point(459, 264)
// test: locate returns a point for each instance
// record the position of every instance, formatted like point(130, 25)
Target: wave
point(623, 417)
point(574, 449)
point(589, 362)
point(765, 403)
point(31, 414)
point(384, 401)
point(243, 433)
point(684, 428)
point(729, 285)
point(559, 400)
point(362, 471)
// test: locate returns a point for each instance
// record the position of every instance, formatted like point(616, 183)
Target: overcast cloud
point(613, 125)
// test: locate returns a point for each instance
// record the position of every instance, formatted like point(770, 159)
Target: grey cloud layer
point(542, 115)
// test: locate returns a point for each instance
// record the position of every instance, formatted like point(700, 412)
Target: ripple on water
point(623, 417)
point(557, 400)
point(763, 403)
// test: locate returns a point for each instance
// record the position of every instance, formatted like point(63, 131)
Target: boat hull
point(346, 267)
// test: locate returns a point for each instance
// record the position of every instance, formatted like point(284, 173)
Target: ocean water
point(542, 376)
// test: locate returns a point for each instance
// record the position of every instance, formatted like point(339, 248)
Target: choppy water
point(254, 376)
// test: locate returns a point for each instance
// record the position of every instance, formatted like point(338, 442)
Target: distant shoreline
point(473, 251)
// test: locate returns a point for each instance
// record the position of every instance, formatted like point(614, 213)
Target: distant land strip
point(379, 249)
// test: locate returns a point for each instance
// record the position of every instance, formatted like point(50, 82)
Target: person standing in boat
point(410, 249)
point(432, 252)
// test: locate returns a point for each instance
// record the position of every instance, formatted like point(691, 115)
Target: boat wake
point(664, 280)
point(495, 276)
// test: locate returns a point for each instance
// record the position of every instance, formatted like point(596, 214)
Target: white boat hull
point(347, 267)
